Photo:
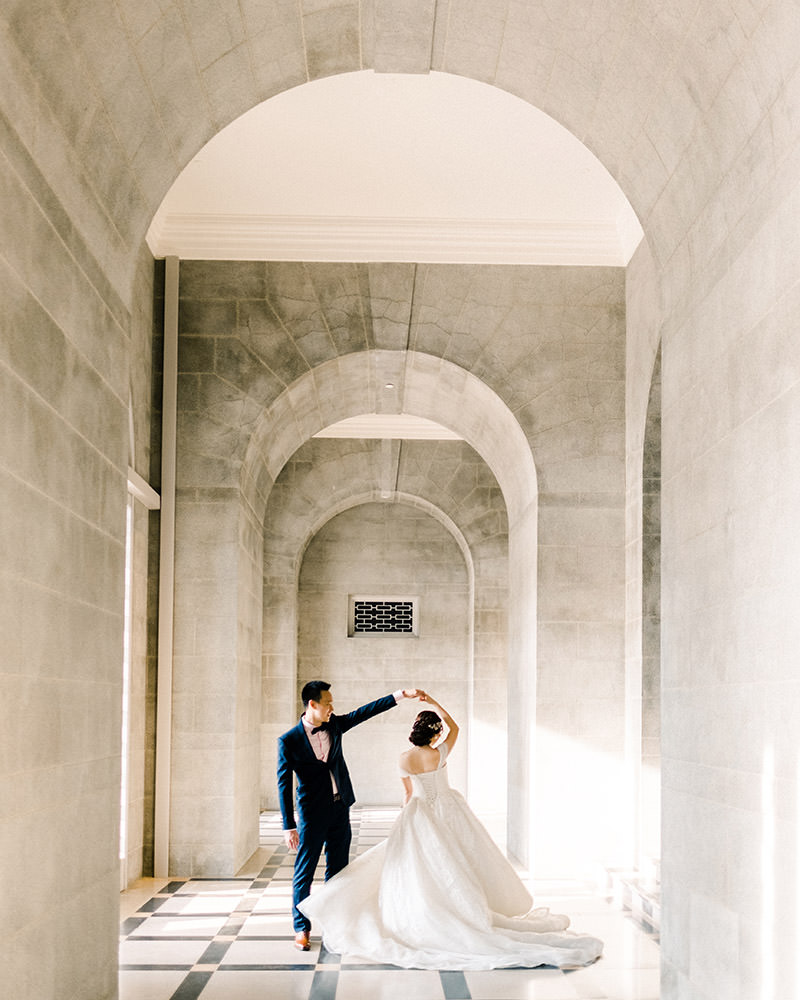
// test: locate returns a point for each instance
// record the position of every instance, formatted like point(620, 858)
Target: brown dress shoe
point(301, 941)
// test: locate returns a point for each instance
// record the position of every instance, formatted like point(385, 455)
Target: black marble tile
point(232, 927)
point(323, 986)
point(373, 966)
point(130, 924)
point(153, 904)
point(239, 967)
point(455, 986)
point(132, 967)
point(192, 986)
point(214, 953)
point(328, 957)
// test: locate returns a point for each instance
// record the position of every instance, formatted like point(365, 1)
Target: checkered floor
point(231, 939)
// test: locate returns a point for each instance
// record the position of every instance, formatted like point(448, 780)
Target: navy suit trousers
point(334, 834)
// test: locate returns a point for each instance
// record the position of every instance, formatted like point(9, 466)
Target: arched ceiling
point(434, 389)
point(396, 167)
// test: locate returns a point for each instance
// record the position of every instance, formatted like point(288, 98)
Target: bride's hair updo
point(426, 726)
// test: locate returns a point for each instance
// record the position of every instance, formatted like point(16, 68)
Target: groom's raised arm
point(373, 708)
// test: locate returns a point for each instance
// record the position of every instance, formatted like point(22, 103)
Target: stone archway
point(682, 133)
point(219, 564)
point(453, 397)
point(268, 361)
point(326, 477)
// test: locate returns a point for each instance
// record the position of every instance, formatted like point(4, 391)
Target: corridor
point(231, 939)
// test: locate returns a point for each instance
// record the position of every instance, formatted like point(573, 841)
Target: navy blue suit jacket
point(314, 790)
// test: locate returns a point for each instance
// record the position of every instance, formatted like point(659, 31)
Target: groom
point(313, 751)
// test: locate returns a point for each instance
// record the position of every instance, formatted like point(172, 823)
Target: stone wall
point(445, 480)
point(65, 354)
point(394, 550)
point(264, 350)
point(642, 558)
point(729, 280)
point(650, 810)
point(693, 109)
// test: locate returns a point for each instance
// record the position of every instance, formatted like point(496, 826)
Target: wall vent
point(383, 616)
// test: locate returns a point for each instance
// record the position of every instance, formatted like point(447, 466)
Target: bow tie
point(318, 729)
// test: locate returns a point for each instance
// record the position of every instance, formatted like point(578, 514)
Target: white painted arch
point(423, 386)
point(396, 166)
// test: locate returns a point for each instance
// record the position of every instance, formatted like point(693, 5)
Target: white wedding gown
point(439, 894)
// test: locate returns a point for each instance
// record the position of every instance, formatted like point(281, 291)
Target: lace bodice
point(430, 785)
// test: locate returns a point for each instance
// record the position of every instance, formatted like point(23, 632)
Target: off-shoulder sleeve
point(443, 749)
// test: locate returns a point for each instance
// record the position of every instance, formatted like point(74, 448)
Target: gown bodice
point(430, 785)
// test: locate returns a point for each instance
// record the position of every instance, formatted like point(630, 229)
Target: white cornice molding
point(328, 238)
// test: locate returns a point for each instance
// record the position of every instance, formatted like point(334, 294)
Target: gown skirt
point(439, 894)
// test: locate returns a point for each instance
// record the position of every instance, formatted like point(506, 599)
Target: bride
point(438, 893)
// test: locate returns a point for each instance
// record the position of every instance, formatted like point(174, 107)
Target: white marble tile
point(150, 985)
point(625, 945)
point(198, 926)
point(133, 952)
point(245, 985)
point(520, 984)
point(619, 984)
point(377, 984)
point(212, 889)
point(267, 924)
point(275, 900)
point(271, 952)
point(628, 970)
point(207, 903)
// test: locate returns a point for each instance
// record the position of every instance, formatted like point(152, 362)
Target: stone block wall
point(271, 353)
point(651, 624)
point(730, 551)
point(446, 481)
point(64, 369)
point(144, 427)
point(643, 559)
point(381, 549)
point(693, 109)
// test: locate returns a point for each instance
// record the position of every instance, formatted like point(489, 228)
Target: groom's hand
point(413, 693)
point(292, 839)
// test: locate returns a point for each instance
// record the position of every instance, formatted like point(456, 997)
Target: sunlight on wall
point(488, 776)
point(768, 874)
point(580, 807)
point(648, 809)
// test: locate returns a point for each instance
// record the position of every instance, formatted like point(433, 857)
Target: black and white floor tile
point(232, 939)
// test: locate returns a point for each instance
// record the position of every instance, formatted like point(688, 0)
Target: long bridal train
point(439, 894)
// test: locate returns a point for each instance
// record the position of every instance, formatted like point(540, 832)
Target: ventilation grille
point(383, 616)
